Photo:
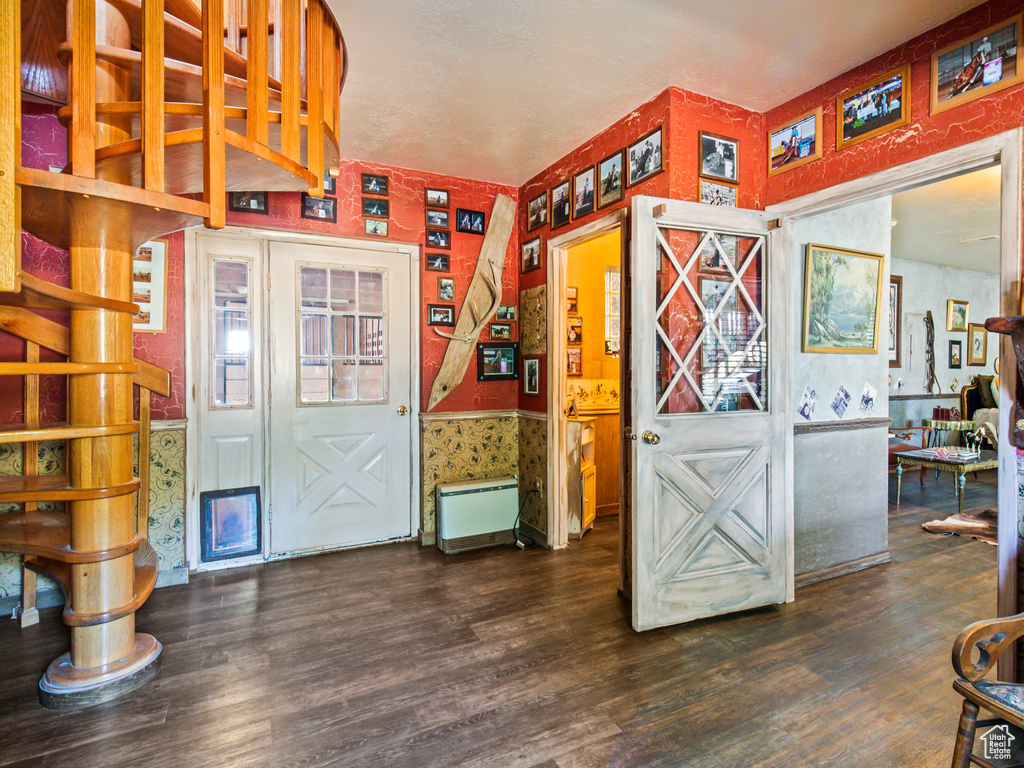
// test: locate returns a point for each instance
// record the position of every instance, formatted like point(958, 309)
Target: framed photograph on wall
point(497, 361)
point(977, 344)
point(574, 331)
point(319, 208)
point(375, 227)
point(718, 252)
point(561, 205)
point(956, 315)
point(717, 194)
point(436, 198)
point(531, 256)
point(955, 353)
point(469, 221)
point(537, 212)
point(330, 183)
point(645, 158)
point(374, 206)
point(374, 184)
point(232, 525)
point(437, 262)
point(500, 332)
point(609, 180)
point(895, 321)
point(719, 157)
point(247, 202)
point(446, 289)
point(149, 287)
point(531, 375)
point(796, 143)
point(572, 300)
point(574, 361)
point(506, 312)
point(440, 314)
point(439, 238)
point(978, 65)
point(842, 310)
point(879, 106)
point(438, 219)
point(583, 193)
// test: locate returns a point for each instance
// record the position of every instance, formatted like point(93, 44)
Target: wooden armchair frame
point(908, 434)
point(989, 638)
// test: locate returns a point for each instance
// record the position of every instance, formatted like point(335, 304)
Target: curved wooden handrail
point(29, 433)
point(990, 638)
point(55, 488)
point(48, 534)
point(40, 294)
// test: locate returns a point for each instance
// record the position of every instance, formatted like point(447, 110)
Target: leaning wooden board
point(481, 302)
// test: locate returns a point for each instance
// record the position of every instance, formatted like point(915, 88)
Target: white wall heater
point(477, 513)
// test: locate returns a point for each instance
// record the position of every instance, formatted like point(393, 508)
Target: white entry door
point(711, 532)
point(340, 385)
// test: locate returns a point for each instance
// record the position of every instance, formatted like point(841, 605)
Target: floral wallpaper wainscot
point(533, 468)
point(455, 450)
point(533, 328)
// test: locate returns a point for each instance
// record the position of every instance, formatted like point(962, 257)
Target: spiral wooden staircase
point(168, 106)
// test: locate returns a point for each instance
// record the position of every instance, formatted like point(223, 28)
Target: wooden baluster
point(142, 509)
point(256, 94)
point(327, 73)
point(214, 192)
point(81, 139)
point(28, 614)
point(339, 73)
point(314, 101)
point(291, 63)
point(10, 144)
point(153, 94)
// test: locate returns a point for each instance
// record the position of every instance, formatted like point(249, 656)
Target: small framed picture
point(469, 221)
point(438, 219)
point(537, 212)
point(232, 525)
point(446, 289)
point(374, 206)
point(719, 251)
point(149, 287)
point(531, 255)
point(574, 361)
point(375, 185)
point(320, 208)
point(375, 227)
point(719, 157)
point(796, 143)
point(955, 351)
point(895, 321)
point(497, 361)
point(330, 183)
point(645, 158)
point(574, 333)
point(956, 315)
point(571, 306)
point(247, 202)
point(611, 347)
point(506, 312)
point(877, 107)
point(717, 194)
point(561, 205)
point(436, 198)
point(500, 332)
point(437, 262)
point(977, 344)
point(609, 180)
point(975, 66)
point(531, 375)
point(439, 238)
point(440, 314)
point(583, 193)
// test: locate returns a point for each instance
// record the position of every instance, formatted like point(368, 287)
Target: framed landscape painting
point(841, 300)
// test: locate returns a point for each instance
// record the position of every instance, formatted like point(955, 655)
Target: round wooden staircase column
point(106, 659)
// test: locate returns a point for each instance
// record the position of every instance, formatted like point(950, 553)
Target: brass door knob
point(651, 438)
point(402, 410)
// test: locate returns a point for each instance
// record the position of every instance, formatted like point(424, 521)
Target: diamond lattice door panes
point(710, 528)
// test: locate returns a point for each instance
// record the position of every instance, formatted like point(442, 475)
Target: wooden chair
point(1005, 700)
point(909, 436)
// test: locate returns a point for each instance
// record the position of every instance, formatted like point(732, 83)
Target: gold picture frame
point(787, 153)
point(977, 344)
point(867, 111)
point(834, 278)
point(958, 74)
point(956, 315)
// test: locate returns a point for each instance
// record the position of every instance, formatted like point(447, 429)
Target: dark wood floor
point(400, 656)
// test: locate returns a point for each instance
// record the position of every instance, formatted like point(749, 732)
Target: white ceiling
point(498, 90)
point(943, 223)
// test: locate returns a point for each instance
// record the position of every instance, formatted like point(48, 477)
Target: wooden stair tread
point(48, 534)
point(47, 199)
point(146, 570)
point(39, 294)
point(27, 433)
point(55, 488)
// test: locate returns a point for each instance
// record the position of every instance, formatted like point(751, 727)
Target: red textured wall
point(926, 134)
point(683, 115)
point(408, 225)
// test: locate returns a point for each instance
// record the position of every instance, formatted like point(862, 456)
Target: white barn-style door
point(711, 527)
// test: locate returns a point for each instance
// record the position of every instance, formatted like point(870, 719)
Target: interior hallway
point(400, 656)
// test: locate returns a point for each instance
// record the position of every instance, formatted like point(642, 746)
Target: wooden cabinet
point(580, 443)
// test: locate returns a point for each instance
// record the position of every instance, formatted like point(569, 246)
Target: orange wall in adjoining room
point(926, 134)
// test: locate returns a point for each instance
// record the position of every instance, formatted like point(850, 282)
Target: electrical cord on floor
point(515, 526)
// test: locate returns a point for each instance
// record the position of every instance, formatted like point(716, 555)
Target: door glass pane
point(232, 334)
point(711, 333)
point(351, 365)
